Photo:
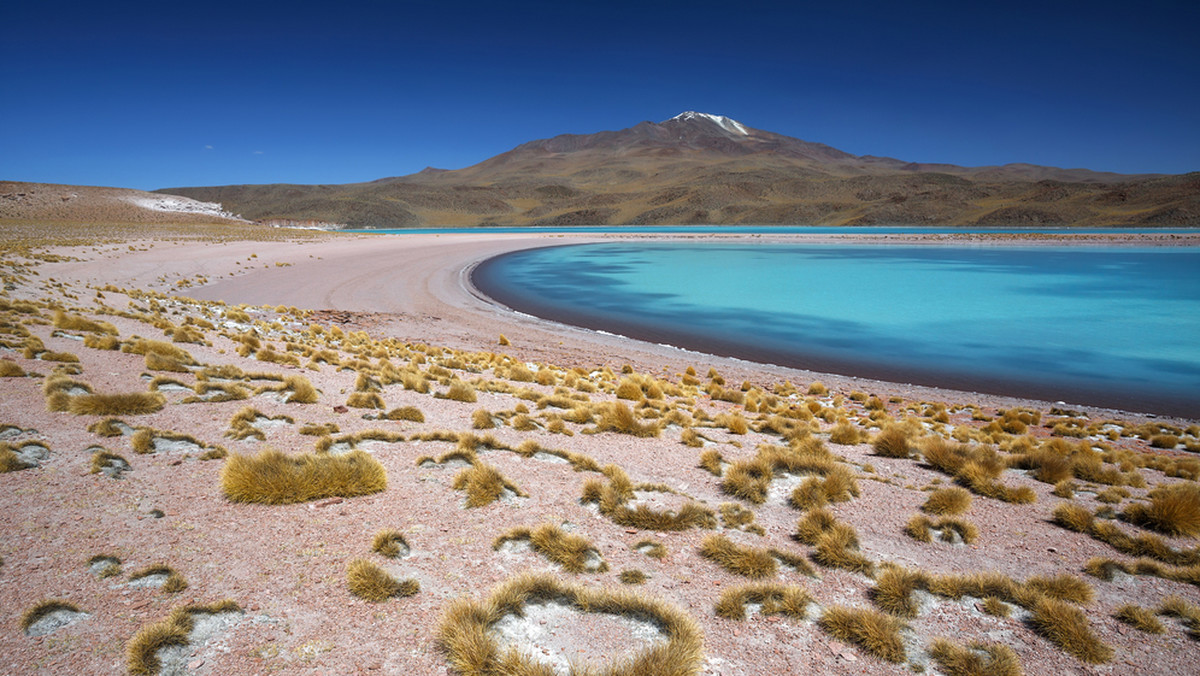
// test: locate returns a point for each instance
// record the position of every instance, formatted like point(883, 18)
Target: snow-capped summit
point(730, 125)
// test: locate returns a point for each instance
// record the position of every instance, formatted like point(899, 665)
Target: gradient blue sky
point(152, 95)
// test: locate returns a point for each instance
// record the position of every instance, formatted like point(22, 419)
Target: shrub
point(274, 478)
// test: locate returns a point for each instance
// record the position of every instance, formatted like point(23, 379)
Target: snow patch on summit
point(728, 124)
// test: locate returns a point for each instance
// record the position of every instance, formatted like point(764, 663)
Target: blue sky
point(153, 95)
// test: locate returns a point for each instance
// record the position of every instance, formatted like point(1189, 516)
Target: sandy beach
point(388, 307)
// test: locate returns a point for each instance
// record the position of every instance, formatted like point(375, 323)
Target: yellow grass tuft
point(10, 369)
point(574, 553)
point(365, 400)
point(979, 659)
point(409, 413)
point(892, 442)
point(1068, 628)
point(893, 591)
point(44, 608)
point(128, 403)
point(390, 543)
point(274, 478)
point(368, 581)
point(773, 599)
point(875, 632)
point(845, 433)
point(1139, 618)
point(141, 652)
point(464, 631)
point(484, 484)
point(947, 502)
point(617, 417)
point(711, 461)
point(748, 561)
point(1174, 510)
point(633, 576)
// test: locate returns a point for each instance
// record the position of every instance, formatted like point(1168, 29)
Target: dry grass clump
point(735, 516)
point(368, 581)
point(365, 400)
point(652, 548)
point(10, 369)
point(773, 599)
point(978, 659)
point(892, 442)
point(1140, 618)
point(574, 553)
point(1061, 587)
point(893, 590)
point(68, 322)
point(141, 652)
point(318, 430)
point(44, 608)
point(632, 576)
point(10, 461)
point(613, 495)
point(711, 460)
point(458, 391)
point(102, 460)
point(750, 479)
point(838, 548)
point(1173, 606)
point(845, 433)
point(101, 342)
point(174, 581)
point(409, 413)
point(109, 427)
point(920, 528)
point(838, 485)
point(484, 484)
point(1073, 517)
point(390, 543)
point(482, 419)
point(128, 403)
point(1174, 510)
point(975, 467)
point(947, 502)
point(1068, 628)
point(472, 650)
point(617, 417)
point(274, 478)
point(748, 561)
point(873, 631)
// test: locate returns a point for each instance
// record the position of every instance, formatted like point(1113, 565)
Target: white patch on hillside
point(178, 205)
point(730, 125)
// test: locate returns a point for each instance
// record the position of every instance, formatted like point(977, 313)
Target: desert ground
point(232, 450)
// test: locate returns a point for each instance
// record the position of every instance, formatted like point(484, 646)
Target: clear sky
point(164, 94)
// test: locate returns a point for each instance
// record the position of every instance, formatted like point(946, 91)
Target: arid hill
point(51, 202)
point(697, 168)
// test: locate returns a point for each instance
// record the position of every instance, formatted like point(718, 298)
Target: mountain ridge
point(705, 169)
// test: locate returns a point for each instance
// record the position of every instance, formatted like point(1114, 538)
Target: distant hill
point(51, 202)
point(697, 168)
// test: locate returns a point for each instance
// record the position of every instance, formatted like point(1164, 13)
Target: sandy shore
point(286, 565)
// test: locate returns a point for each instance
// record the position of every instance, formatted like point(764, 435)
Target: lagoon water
point(1107, 326)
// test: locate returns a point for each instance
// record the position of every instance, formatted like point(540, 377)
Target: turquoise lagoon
point(1097, 325)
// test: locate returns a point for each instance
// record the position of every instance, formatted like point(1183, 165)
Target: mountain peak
point(728, 124)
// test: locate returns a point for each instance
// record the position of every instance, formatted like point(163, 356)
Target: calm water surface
point(1109, 326)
